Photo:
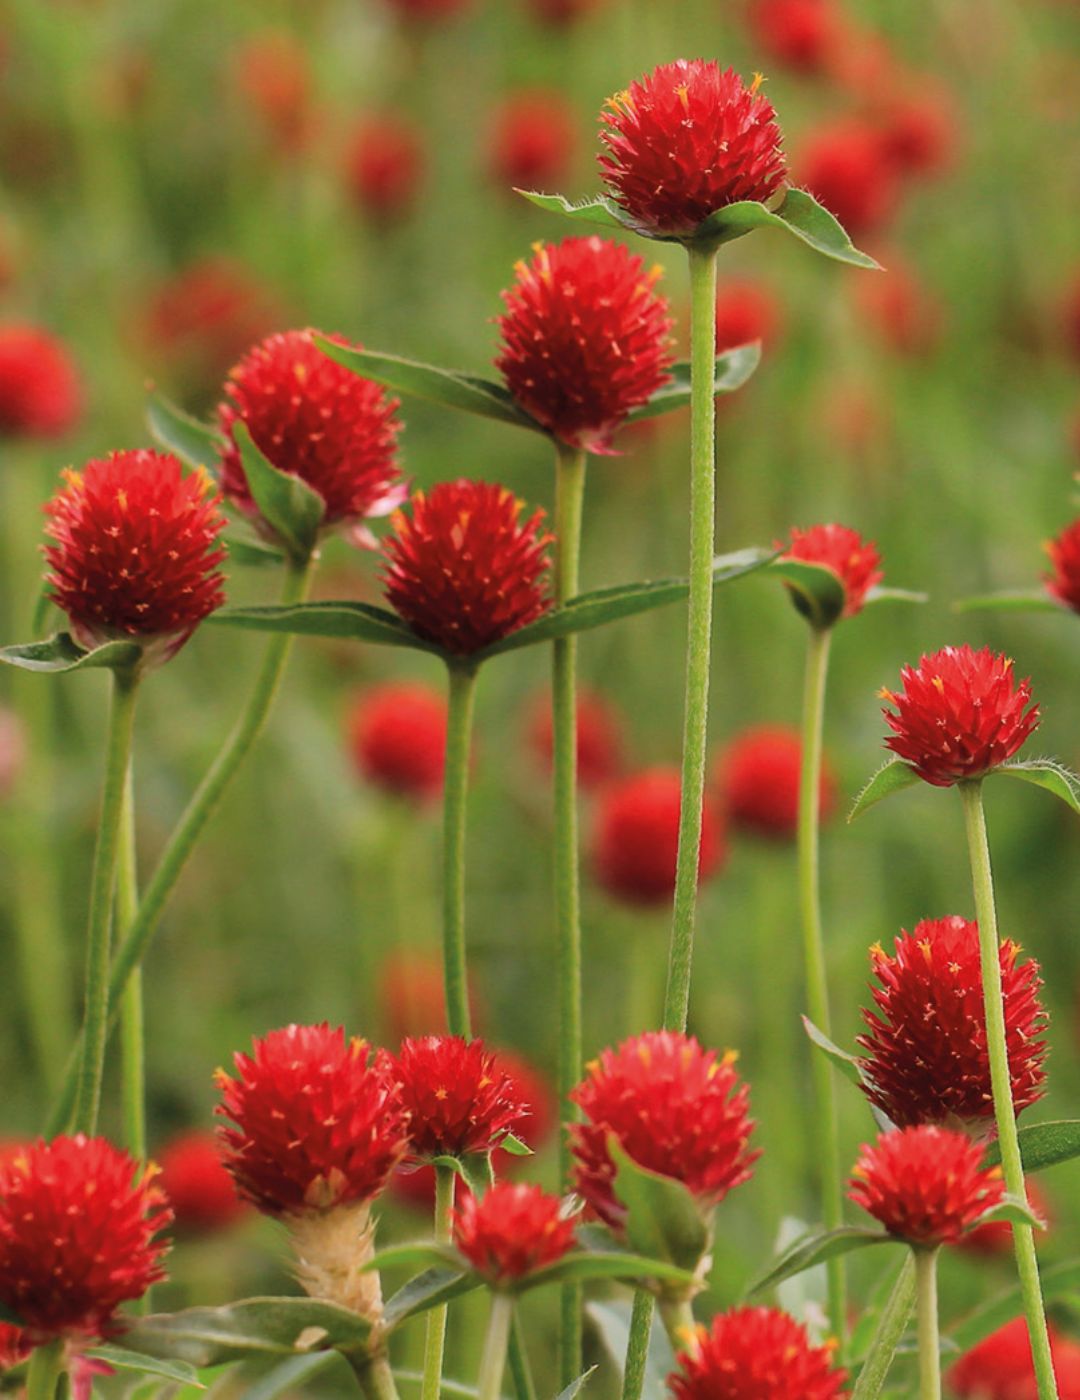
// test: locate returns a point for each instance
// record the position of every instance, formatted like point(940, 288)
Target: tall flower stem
point(493, 1360)
point(825, 1137)
point(132, 1048)
point(699, 627)
point(435, 1340)
point(1027, 1265)
point(926, 1306)
point(569, 496)
point(637, 1345)
point(189, 828)
point(375, 1376)
point(43, 1375)
point(91, 1068)
point(462, 677)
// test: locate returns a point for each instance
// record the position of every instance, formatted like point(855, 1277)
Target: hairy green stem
point(1027, 1266)
point(462, 677)
point(890, 1329)
point(493, 1360)
point(926, 1310)
point(435, 1340)
point(43, 1375)
point(678, 1319)
point(637, 1345)
point(375, 1376)
point(520, 1370)
point(132, 1029)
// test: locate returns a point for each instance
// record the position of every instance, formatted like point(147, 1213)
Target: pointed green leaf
point(733, 369)
point(424, 1254)
point(427, 1290)
point(1048, 774)
point(288, 505)
point(1057, 1281)
point(121, 1359)
point(818, 593)
point(599, 210)
point(251, 552)
point(663, 1220)
point(61, 654)
point(618, 1264)
point(893, 776)
point(515, 1146)
point(878, 594)
point(570, 1391)
point(288, 1375)
point(194, 442)
point(1042, 1144)
point(816, 1249)
point(890, 1329)
point(800, 214)
point(1019, 600)
point(251, 1327)
point(347, 621)
point(848, 1065)
point(1013, 1210)
point(611, 1319)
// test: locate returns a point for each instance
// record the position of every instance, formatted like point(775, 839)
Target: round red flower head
point(397, 735)
point(758, 779)
point(756, 1354)
point(532, 140)
point(199, 1189)
point(134, 553)
point(40, 394)
point(1000, 1366)
point(1064, 551)
point(925, 1057)
point(798, 34)
point(384, 166)
point(585, 339)
point(960, 713)
point(599, 736)
point(511, 1231)
point(78, 1220)
point(687, 140)
point(855, 562)
point(462, 570)
point(314, 419)
point(673, 1108)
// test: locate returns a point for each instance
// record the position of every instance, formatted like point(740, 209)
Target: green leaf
point(800, 214)
point(599, 210)
point(1020, 600)
point(287, 1375)
point(1013, 1210)
point(427, 1290)
point(1048, 774)
point(878, 594)
point(890, 1329)
point(848, 1065)
point(1042, 1144)
point(616, 1264)
point(347, 621)
point(663, 1220)
point(194, 442)
point(894, 775)
point(732, 371)
point(515, 1146)
point(816, 1249)
point(818, 593)
point(1057, 1282)
point(612, 1322)
point(570, 1391)
point(124, 1360)
point(251, 552)
point(424, 1254)
point(251, 1327)
point(288, 505)
point(61, 654)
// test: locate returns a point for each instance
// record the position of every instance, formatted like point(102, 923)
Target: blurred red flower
point(397, 737)
point(798, 34)
point(754, 1353)
point(270, 70)
point(199, 1189)
point(757, 777)
point(846, 167)
point(384, 167)
point(1000, 1367)
point(899, 308)
point(1064, 551)
point(599, 736)
point(532, 140)
point(40, 392)
point(512, 1231)
point(746, 310)
point(917, 125)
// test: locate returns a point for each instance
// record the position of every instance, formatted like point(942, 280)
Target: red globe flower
point(960, 713)
point(897, 306)
point(756, 1354)
point(636, 837)
point(996, 1236)
point(599, 736)
point(40, 393)
point(745, 311)
point(925, 1054)
point(798, 34)
point(199, 1189)
point(584, 338)
point(1064, 551)
point(317, 1126)
point(758, 779)
point(271, 72)
point(687, 140)
point(511, 1231)
point(533, 136)
point(1000, 1366)
point(134, 552)
point(384, 168)
point(852, 559)
point(846, 167)
point(77, 1225)
point(314, 419)
point(673, 1108)
point(397, 735)
point(462, 570)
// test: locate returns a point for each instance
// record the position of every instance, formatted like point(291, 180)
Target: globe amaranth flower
point(855, 561)
point(134, 550)
point(462, 570)
point(40, 393)
point(959, 714)
point(384, 167)
point(78, 1220)
point(316, 420)
point(397, 736)
point(756, 1354)
point(1000, 1366)
point(673, 1108)
point(199, 1189)
point(598, 732)
point(585, 338)
point(758, 777)
point(1064, 551)
point(687, 140)
point(511, 1231)
point(532, 140)
point(925, 1056)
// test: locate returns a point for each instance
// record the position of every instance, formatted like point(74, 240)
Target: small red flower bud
point(134, 552)
point(199, 1189)
point(673, 1108)
point(745, 311)
point(959, 714)
point(532, 141)
point(1000, 1366)
point(756, 1354)
point(1064, 551)
point(996, 1236)
point(758, 779)
point(462, 570)
point(846, 168)
point(397, 735)
point(599, 736)
point(77, 1225)
point(687, 140)
point(384, 166)
point(801, 35)
point(925, 1054)
point(40, 393)
point(511, 1231)
point(852, 559)
point(635, 839)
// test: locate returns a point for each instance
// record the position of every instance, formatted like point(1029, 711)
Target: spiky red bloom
point(673, 1108)
point(996, 1236)
point(134, 552)
point(852, 559)
point(798, 34)
point(77, 1224)
point(397, 734)
point(200, 1190)
point(316, 1125)
point(960, 713)
point(636, 837)
point(756, 1354)
point(458, 1097)
point(511, 1231)
point(599, 736)
point(1064, 552)
point(384, 167)
point(926, 1184)
point(40, 393)
point(462, 570)
point(1000, 1366)
point(533, 136)
point(745, 311)
point(687, 140)
point(316, 420)
point(758, 779)
point(846, 167)
point(584, 338)
point(926, 1056)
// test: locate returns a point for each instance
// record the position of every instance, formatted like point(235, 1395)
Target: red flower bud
point(511, 1231)
point(852, 559)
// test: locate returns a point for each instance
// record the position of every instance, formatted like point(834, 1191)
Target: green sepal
point(474, 1168)
point(193, 441)
point(288, 505)
point(570, 1391)
point(894, 775)
point(817, 592)
point(732, 370)
point(1046, 773)
point(428, 1290)
point(9, 1315)
point(61, 654)
point(816, 1249)
point(515, 1146)
point(1057, 1281)
point(848, 1065)
point(1042, 1144)
point(1018, 600)
point(121, 1359)
point(345, 621)
point(250, 1327)
point(663, 1220)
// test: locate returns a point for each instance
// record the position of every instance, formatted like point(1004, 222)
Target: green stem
point(493, 1360)
point(375, 1376)
point(699, 628)
point(520, 1370)
point(569, 497)
point(637, 1345)
point(44, 1372)
point(890, 1329)
point(199, 810)
point(826, 1139)
point(462, 677)
point(1027, 1266)
point(102, 882)
point(926, 1308)
point(435, 1341)
point(677, 1316)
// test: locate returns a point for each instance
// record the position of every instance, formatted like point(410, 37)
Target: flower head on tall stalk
point(843, 551)
point(1064, 551)
point(753, 1353)
point(511, 1231)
